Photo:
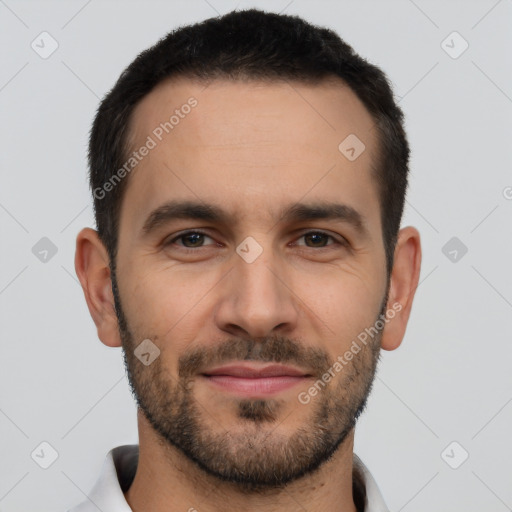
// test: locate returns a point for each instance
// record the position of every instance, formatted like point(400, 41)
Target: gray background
point(449, 381)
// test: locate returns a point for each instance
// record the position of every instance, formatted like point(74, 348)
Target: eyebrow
point(296, 212)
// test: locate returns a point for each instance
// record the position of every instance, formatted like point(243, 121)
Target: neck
point(166, 480)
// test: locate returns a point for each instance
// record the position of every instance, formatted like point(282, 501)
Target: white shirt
point(121, 463)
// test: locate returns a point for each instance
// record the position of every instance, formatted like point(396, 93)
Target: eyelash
point(342, 242)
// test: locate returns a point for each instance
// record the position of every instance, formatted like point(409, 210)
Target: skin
point(251, 148)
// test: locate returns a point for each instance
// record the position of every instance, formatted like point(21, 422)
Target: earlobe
point(93, 271)
point(404, 281)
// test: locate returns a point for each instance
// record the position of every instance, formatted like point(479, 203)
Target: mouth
point(255, 380)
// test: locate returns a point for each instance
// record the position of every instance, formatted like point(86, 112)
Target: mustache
point(276, 349)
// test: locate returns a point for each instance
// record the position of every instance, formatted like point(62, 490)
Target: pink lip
point(253, 380)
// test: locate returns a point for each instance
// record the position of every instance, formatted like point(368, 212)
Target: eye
point(318, 239)
point(192, 240)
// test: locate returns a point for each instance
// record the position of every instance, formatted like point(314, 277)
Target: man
point(249, 175)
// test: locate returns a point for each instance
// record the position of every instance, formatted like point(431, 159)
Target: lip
point(252, 371)
point(255, 380)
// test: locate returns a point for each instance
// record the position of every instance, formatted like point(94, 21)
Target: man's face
point(256, 288)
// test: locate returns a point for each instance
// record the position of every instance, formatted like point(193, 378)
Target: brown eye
point(190, 240)
point(195, 239)
point(319, 240)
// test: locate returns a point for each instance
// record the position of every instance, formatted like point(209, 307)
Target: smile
point(252, 380)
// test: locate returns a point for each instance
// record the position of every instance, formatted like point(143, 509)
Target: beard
point(252, 454)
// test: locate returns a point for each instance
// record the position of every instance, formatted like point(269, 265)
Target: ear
point(404, 281)
point(93, 271)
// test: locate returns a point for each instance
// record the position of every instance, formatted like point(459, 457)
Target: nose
point(256, 300)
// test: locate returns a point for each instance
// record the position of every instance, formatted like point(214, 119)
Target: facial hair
point(255, 458)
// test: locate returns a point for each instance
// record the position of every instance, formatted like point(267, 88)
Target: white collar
point(119, 470)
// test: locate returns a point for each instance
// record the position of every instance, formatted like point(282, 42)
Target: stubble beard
point(253, 455)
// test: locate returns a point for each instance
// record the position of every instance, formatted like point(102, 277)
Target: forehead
point(249, 144)
point(297, 110)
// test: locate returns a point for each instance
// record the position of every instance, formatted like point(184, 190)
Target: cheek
point(164, 301)
point(343, 305)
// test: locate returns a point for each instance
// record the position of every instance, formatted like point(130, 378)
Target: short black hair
point(248, 45)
